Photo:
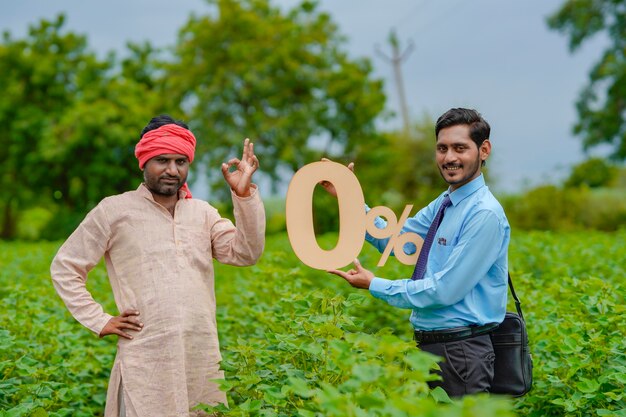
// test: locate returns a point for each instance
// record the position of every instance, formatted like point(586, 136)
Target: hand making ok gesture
point(241, 178)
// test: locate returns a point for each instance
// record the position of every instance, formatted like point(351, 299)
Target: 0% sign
point(353, 220)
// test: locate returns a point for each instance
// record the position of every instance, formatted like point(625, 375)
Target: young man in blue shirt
point(460, 294)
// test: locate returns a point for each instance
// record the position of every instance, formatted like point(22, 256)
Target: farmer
point(458, 291)
point(158, 244)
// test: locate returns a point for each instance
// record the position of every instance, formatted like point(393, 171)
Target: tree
point(400, 168)
point(100, 130)
point(70, 122)
point(39, 76)
point(602, 104)
point(282, 79)
point(394, 168)
point(593, 173)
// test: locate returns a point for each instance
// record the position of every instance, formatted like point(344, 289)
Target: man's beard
point(164, 189)
point(473, 169)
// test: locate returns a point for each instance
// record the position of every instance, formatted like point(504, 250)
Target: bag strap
point(518, 304)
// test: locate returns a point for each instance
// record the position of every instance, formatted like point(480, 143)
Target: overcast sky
point(496, 56)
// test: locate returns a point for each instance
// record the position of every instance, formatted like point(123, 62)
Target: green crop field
point(301, 342)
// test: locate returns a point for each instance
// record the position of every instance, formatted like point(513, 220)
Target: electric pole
point(396, 60)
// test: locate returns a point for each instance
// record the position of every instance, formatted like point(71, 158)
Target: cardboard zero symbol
point(299, 215)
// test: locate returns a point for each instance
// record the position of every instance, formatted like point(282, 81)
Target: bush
point(275, 215)
point(553, 208)
point(545, 208)
point(592, 173)
point(605, 209)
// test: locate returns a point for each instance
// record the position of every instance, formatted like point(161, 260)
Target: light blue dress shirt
point(466, 275)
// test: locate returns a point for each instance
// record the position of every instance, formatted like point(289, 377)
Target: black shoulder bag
point(513, 367)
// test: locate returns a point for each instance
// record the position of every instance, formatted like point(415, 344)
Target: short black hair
point(479, 128)
point(161, 120)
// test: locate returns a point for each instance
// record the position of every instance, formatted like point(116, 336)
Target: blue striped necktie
point(420, 266)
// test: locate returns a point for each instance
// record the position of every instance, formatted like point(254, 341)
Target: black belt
point(451, 335)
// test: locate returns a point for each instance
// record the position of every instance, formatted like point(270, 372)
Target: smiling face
point(458, 157)
point(165, 174)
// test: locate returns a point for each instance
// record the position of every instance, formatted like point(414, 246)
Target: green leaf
point(300, 387)
point(440, 395)
point(588, 385)
point(39, 412)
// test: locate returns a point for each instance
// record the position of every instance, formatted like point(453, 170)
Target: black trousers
point(467, 367)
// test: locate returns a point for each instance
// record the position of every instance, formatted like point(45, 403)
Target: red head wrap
point(169, 138)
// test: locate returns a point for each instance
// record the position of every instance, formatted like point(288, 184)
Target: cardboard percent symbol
point(353, 221)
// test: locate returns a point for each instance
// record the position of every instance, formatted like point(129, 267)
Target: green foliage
point(394, 169)
point(605, 209)
point(550, 207)
point(32, 222)
point(275, 215)
point(282, 78)
point(296, 341)
point(41, 75)
point(600, 105)
point(71, 120)
point(50, 366)
point(544, 208)
point(593, 173)
point(70, 124)
point(592, 197)
point(292, 345)
point(102, 126)
point(573, 299)
point(399, 169)
point(325, 213)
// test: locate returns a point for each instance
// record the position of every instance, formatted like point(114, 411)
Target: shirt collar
point(144, 191)
point(466, 190)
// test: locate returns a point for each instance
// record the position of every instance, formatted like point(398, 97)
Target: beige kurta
point(161, 266)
